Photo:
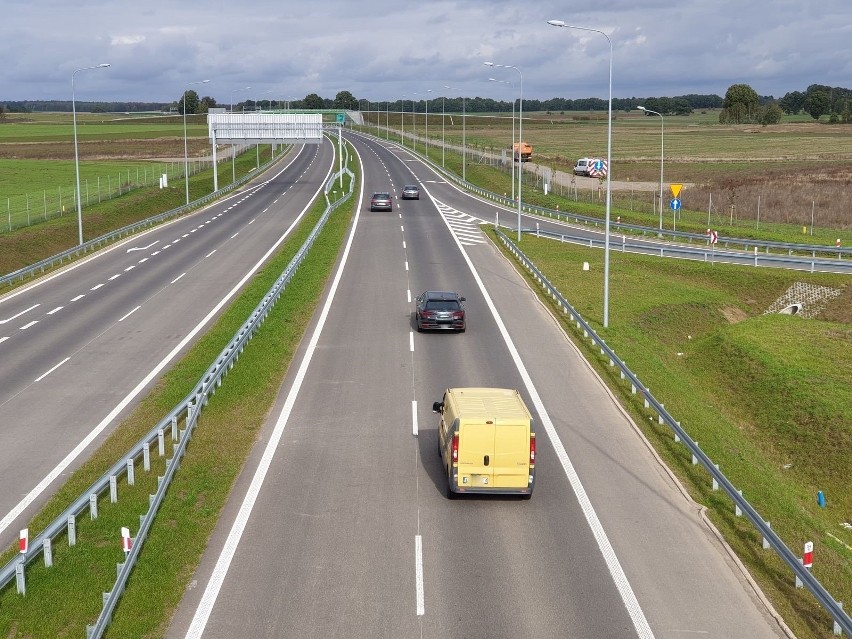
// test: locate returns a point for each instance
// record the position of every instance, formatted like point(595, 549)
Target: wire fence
point(34, 208)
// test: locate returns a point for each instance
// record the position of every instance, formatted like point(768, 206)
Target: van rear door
point(476, 454)
point(494, 455)
point(510, 466)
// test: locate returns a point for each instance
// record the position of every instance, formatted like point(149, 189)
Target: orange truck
point(522, 149)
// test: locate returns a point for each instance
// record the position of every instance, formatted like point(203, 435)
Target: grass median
point(767, 396)
point(62, 600)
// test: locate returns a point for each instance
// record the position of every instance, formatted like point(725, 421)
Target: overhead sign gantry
point(261, 128)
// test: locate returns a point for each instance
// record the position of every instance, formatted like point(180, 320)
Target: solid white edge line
point(415, 429)
point(130, 313)
point(217, 578)
point(62, 466)
point(640, 623)
point(38, 379)
point(418, 574)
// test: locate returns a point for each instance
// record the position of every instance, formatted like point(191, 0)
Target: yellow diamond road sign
point(675, 189)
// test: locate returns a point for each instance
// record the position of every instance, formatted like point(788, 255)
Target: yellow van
point(486, 441)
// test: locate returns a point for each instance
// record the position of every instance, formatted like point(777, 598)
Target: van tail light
point(455, 448)
point(532, 449)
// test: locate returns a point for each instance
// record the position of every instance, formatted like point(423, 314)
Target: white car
point(583, 166)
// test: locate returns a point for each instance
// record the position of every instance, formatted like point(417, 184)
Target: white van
point(584, 166)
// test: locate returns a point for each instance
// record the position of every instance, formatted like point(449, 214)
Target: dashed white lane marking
point(143, 260)
point(418, 574)
point(116, 276)
point(210, 253)
point(414, 426)
point(177, 278)
point(130, 268)
point(3, 339)
point(130, 313)
point(28, 325)
point(96, 287)
point(406, 265)
point(234, 235)
point(55, 310)
point(43, 375)
point(411, 341)
point(6, 321)
point(155, 253)
point(79, 297)
point(408, 295)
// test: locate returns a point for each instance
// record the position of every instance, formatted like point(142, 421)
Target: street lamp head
point(102, 65)
point(489, 64)
point(557, 23)
point(641, 108)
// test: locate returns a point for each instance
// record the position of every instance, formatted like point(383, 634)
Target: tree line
point(741, 104)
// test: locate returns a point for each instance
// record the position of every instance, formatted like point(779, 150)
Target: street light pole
point(443, 139)
point(662, 155)
point(413, 124)
point(402, 120)
point(185, 151)
point(233, 147)
point(561, 23)
point(464, 141)
point(76, 155)
point(428, 91)
point(520, 137)
point(512, 159)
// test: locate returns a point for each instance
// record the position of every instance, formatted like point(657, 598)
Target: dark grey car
point(381, 202)
point(440, 310)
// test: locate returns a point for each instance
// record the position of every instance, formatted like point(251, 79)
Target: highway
point(339, 526)
point(81, 346)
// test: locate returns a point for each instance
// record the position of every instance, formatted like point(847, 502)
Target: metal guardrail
point(190, 409)
point(842, 621)
point(709, 254)
point(57, 260)
point(726, 241)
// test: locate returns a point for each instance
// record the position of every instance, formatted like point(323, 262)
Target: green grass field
point(768, 397)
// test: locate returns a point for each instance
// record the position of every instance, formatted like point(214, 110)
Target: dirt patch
point(733, 314)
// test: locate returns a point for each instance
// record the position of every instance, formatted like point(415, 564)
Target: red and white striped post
point(126, 541)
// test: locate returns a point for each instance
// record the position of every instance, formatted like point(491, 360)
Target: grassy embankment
point(60, 601)
point(30, 244)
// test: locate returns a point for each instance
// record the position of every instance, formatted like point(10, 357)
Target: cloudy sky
point(382, 49)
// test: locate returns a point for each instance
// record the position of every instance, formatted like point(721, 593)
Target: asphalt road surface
point(339, 527)
point(81, 346)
